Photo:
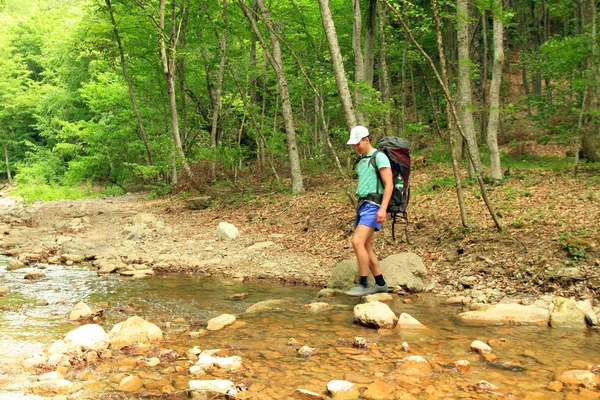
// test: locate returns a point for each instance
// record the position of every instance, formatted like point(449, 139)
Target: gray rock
point(375, 315)
point(566, 314)
point(591, 318)
point(344, 275)
point(506, 314)
point(227, 231)
point(198, 203)
point(404, 270)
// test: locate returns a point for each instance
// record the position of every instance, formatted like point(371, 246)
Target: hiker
point(371, 210)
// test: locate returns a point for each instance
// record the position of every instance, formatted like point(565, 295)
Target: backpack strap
point(374, 164)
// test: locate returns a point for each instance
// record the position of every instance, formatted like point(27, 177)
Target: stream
point(33, 316)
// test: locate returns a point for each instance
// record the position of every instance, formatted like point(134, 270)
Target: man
point(373, 200)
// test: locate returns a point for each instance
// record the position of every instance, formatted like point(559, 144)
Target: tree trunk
point(359, 64)
point(7, 164)
point(276, 61)
point(385, 73)
point(492, 133)
point(590, 106)
point(369, 57)
point(168, 64)
point(484, 74)
point(181, 80)
point(465, 97)
point(338, 65)
point(217, 94)
point(130, 85)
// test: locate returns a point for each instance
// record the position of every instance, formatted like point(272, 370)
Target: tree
point(494, 116)
point(276, 60)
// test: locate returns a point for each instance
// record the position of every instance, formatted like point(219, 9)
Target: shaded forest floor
point(550, 242)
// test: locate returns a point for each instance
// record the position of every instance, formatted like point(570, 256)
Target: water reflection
point(528, 361)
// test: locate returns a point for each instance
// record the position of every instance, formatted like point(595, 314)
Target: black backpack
point(397, 150)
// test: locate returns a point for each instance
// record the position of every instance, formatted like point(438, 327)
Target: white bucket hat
point(357, 134)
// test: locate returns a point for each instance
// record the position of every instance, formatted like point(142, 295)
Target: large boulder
point(134, 330)
point(402, 270)
point(227, 231)
point(506, 314)
point(375, 315)
point(405, 270)
point(90, 336)
point(566, 314)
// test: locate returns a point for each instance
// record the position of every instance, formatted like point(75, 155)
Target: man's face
point(361, 147)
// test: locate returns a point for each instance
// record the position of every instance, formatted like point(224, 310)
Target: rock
point(220, 322)
point(134, 330)
point(415, 365)
point(317, 307)
point(404, 270)
point(379, 390)
point(480, 348)
point(304, 394)
point(467, 281)
point(14, 265)
point(239, 296)
point(590, 317)
point(264, 305)
point(227, 231)
point(485, 387)
point(51, 376)
point(74, 258)
point(344, 275)
point(52, 387)
point(343, 390)
point(134, 232)
point(32, 275)
point(213, 387)
point(462, 366)
point(407, 322)
point(506, 314)
point(198, 203)
point(90, 336)
point(306, 351)
point(555, 386)
point(566, 314)
point(375, 315)
point(81, 310)
point(293, 342)
point(131, 383)
point(36, 359)
point(4, 290)
point(579, 377)
point(144, 218)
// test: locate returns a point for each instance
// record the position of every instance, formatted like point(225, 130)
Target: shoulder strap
point(374, 164)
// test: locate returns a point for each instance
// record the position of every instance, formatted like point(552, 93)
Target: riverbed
point(34, 313)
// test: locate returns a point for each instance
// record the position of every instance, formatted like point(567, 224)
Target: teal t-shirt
point(367, 176)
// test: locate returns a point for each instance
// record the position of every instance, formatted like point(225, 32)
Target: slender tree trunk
point(369, 58)
point(484, 74)
point(591, 121)
point(465, 96)
point(7, 164)
point(338, 65)
point(168, 64)
point(129, 85)
point(217, 94)
point(276, 61)
point(181, 80)
point(492, 133)
point(359, 63)
point(385, 73)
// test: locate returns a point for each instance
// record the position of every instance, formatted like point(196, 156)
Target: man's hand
point(381, 215)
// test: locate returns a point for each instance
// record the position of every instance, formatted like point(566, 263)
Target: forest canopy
point(145, 94)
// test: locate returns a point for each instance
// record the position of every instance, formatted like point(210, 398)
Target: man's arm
point(388, 188)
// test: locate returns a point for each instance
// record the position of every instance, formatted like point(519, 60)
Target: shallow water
point(273, 370)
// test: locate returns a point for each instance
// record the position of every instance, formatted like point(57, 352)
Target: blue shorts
point(367, 215)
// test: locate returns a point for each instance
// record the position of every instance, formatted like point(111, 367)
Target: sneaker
point(378, 289)
point(358, 291)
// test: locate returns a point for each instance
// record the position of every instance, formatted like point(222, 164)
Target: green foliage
point(49, 192)
point(576, 247)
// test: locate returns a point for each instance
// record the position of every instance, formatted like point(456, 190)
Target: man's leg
point(373, 260)
point(361, 241)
